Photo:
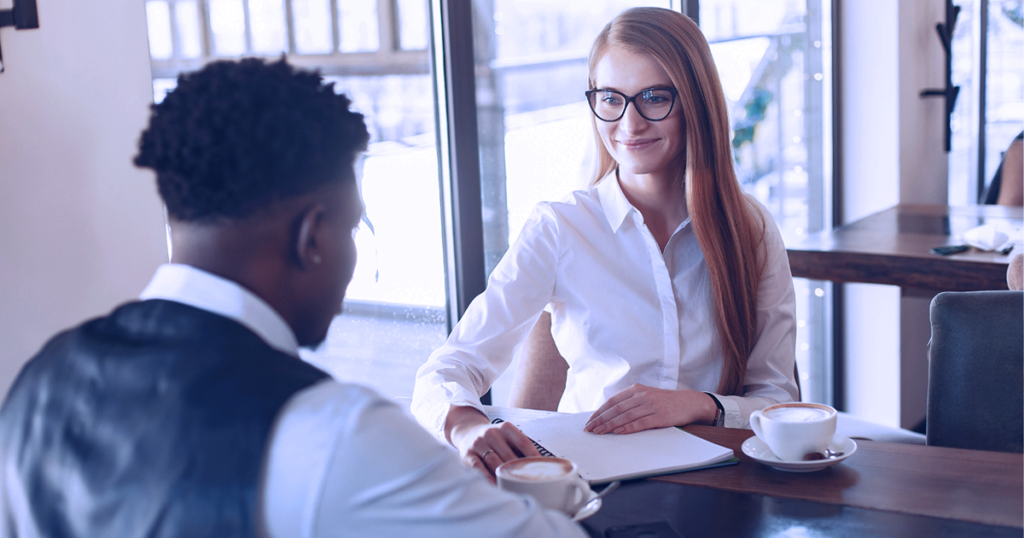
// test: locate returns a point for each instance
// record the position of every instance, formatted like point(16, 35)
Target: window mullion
point(289, 17)
point(458, 147)
point(248, 26)
point(207, 29)
point(982, 62)
point(335, 27)
point(387, 24)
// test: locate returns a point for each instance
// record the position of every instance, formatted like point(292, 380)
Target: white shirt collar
point(617, 207)
point(187, 285)
point(614, 203)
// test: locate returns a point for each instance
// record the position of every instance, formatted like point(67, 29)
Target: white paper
point(602, 458)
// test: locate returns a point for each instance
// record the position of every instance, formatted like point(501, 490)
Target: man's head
point(254, 162)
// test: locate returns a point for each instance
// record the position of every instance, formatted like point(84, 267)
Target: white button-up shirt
point(622, 312)
point(341, 459)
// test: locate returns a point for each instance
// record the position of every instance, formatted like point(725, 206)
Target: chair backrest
point(976, 371)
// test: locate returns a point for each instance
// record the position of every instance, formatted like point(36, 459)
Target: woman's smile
point(637, 144)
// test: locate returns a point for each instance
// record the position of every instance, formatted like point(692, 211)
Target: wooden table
point(884, 489)
point(894, 247)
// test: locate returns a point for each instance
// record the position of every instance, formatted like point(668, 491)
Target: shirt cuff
point(734, 417)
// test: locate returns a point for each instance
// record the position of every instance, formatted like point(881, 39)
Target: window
point(774, 59)
point(989, 111)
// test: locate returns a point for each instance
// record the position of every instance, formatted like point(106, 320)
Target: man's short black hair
point(235, 136)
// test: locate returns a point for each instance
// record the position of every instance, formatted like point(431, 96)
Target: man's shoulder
point(343, 397)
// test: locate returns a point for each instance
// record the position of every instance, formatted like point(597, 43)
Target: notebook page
point(610, 457)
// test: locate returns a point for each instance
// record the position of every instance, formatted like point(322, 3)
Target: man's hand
point(482, 445)
point(642, 408)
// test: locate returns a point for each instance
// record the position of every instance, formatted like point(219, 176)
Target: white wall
point(81, 229)
point(892, 153)
point(922, 122)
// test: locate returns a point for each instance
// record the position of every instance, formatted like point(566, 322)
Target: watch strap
point(719, 414)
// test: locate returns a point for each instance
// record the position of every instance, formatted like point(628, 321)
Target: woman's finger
point(598, 424)
point(624, 416)
point(491, 459)
point(498, 447)
point(473, 461)
point(519, 441)
point(642, 423)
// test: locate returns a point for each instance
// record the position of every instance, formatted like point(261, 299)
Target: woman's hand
point(485, 446)
point(642, 408)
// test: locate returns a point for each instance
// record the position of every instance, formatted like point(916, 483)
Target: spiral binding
point(543, 451)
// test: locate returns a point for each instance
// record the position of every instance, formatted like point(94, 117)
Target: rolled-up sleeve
point(484, 341)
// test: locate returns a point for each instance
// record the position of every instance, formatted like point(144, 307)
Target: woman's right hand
point(482, 445)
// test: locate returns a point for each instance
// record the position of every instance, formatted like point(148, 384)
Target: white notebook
point(603, 458)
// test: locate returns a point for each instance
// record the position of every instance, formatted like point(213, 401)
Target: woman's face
point(638, 145)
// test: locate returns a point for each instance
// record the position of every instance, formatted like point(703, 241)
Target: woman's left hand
point(642, 408)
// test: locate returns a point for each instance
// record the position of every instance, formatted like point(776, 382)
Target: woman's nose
point(632, 121)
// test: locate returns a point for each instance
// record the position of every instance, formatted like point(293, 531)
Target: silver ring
point(484, 455)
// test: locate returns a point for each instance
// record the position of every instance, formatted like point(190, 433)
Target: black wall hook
point(950, 92)
point(23, 16)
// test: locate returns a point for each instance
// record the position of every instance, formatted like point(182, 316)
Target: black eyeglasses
point(653, 104)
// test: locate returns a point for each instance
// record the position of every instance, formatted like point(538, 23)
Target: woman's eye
point(611, 99)
point(652, 98)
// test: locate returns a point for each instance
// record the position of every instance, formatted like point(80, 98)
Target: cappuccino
point(796, 413)
point(536, 469)
point(554, 482)
point(793, 430)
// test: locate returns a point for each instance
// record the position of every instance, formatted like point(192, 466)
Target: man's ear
point(309, 239)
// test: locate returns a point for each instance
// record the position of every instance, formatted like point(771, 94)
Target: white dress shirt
point(344, 461)
point(622, 312)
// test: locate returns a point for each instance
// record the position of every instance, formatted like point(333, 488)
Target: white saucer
point(590, 508)
point(757, 449)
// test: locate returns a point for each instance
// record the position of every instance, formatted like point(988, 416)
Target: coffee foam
point(537, 470)
point(797, 414)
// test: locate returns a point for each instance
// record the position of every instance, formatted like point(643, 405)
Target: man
point(188, 413)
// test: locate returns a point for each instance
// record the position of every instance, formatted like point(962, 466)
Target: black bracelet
point(720, 414)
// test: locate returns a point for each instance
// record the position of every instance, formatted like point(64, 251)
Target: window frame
point(388, 59)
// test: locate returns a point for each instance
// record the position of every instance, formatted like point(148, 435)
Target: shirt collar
point(614, 203)
point(197, 288)
point(617, 207)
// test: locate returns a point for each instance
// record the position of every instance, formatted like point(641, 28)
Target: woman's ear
point(309, 240)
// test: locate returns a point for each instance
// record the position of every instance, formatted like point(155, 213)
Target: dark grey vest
point(150, 422)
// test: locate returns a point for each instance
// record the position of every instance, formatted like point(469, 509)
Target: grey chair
point(976, 371)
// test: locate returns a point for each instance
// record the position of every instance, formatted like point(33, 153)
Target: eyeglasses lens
point(653, 104)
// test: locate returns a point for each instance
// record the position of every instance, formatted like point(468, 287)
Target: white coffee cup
point(794, 430)
point(554, 482)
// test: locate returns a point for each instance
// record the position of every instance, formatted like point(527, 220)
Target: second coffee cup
point(554, 482)
point(794, 431)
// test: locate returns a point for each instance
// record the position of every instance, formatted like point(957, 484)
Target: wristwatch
point(719, 414)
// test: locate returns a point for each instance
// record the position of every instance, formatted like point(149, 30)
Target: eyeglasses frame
point(629, 100)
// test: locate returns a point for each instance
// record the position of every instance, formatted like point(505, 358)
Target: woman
point(669, 289)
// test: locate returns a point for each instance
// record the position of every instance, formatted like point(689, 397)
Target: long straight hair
point(729, 228)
